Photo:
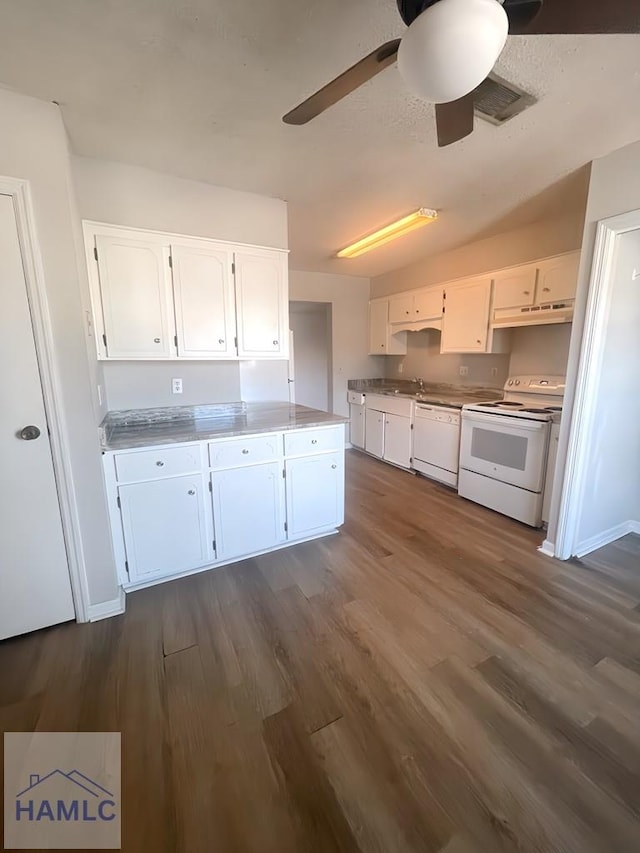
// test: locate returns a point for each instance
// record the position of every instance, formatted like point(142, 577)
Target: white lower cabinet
point(315, 493)
point(248, 509)
point(249, 495)
point(165, 525)
point(374, 433)
point(397, 440)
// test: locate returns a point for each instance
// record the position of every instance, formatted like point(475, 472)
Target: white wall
point(309, 322)
point(519, 246)
point(540, 349)
point(349, 299)
point(614, 188)
point(33, 145)
point(612, 496)
point(131, 196)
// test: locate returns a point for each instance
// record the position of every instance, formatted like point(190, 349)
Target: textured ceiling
point(197, 88)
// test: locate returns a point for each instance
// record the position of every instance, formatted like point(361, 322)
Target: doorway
point(310, 324)
point(34, 569)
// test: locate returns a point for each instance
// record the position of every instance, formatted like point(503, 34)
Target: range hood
point(534, 315)
point(420, 326)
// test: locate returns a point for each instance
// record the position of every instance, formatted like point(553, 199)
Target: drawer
point(156, 464)
point(237, 452)
point(356, 397)
point(305, 442)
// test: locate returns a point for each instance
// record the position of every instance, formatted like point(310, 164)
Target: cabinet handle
point(160, 464)
point(546, 290)
point(334, 465)
point(406, 312)
point(314, 441)
point(245, 451)
point(192, 491)
point(220, 340)
point(526, 292)
point(478, 341)
point(156, 340)
point(275, 343)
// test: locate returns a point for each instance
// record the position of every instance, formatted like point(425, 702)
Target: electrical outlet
point(494, 372)
point(176, 386)
point(464, 370)
point(401, 368)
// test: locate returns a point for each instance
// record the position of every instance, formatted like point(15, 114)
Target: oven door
point(511, 450)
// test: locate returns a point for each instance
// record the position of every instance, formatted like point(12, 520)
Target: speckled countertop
point(130, 428)
point(437, 394)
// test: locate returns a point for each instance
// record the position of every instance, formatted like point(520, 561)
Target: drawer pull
point(160, 464)
point(245, 451)
point(192, 491)
point(334, 465)
point(314, 441)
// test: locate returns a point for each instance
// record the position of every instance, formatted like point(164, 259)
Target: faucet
point(420, 382)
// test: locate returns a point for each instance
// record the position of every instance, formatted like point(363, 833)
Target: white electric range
point(504, 446)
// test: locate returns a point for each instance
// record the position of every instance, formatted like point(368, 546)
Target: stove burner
point(537, 411)
point(508, 403)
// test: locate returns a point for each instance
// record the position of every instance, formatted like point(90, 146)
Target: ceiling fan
point(452, 45)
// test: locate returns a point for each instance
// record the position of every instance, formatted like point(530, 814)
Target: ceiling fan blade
point(454, 120)
point(343, 85)
point(585, 16)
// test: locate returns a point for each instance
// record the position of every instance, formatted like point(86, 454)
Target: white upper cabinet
point(204, 301)
point(465, 326)
point(401, 308)
point(262, 304)
point(381, 339)
point(427, 304)
point(135, 285)
point(163, 296)
point(514, 288)
point(557, 279)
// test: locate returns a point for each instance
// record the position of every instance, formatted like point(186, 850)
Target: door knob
point(29, 433)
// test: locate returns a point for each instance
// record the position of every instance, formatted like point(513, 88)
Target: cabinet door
point(401, 309)
point(465, 326)
point(204, 301)
point(357, 432)
point(166, 526)
point(427, 304)
point(378, 319)
point(262, 304)
point(135, 286)
point(515, 288)
point(558, 279)
point(248, 509)
point(374, 433)
point(397, 440)
point(315, 494)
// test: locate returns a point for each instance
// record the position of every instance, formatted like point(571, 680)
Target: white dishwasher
point(436, 442)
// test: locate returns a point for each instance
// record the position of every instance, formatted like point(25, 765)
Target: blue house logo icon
point(64, 797)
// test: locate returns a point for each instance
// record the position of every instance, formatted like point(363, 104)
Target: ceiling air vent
point(496, 100)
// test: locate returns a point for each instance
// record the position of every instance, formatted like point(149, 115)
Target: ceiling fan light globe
point(451, 47)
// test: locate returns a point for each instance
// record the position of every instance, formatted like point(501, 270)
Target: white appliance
point(504, 446)
point(436, 442)
point(357, 418)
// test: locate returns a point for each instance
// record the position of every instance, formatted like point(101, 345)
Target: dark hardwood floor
point(425, 681)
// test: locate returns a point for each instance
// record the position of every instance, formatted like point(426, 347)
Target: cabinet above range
point(162, 296)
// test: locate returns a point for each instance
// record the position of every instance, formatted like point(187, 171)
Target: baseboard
point(548, 548)
point(108, 608)
point(606, 537)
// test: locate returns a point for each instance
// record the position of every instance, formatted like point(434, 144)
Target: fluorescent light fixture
point(397, 229)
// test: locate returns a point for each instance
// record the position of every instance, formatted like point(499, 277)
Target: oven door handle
point(505, 421)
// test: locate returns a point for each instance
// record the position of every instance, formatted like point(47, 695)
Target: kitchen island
point(194, 487)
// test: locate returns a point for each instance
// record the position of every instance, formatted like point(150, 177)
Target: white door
point(374, 433)
point(515, 288)
point(465, 325)
point(558, 278)
point(248, 509)
point(34, 576)
point(204, 301)
point(262, 304)
point(135, 284)
point(166, 526)
point(357, 425)
point(315, 494)
point(397, 440)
